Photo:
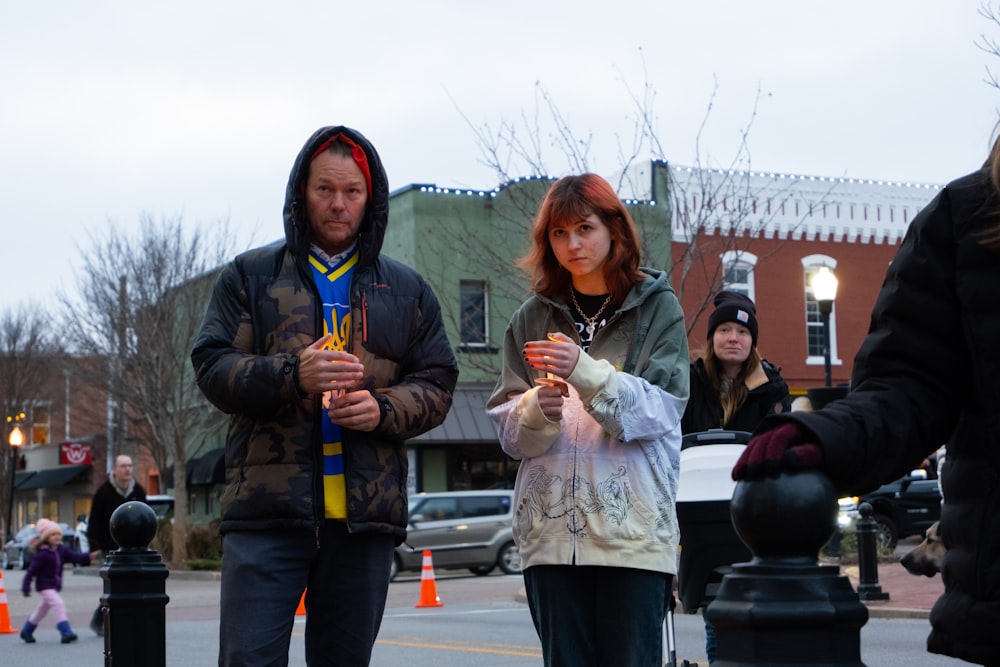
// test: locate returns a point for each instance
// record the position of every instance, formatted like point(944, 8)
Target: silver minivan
point(462, 529)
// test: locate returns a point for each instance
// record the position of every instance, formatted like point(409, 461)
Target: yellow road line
point(526, 652)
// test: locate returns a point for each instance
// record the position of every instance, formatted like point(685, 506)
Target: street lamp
point(824, 287)
point(15, 439)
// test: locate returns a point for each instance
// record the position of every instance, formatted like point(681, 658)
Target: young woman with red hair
point(594, 383)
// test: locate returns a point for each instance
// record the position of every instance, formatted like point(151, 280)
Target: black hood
point(298, 232)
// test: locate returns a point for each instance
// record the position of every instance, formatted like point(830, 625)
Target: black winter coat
point(704, 411)
point(264, 310)
point(928, 373)
point(106, 501)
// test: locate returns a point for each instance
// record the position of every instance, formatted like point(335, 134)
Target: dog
point(927, 558)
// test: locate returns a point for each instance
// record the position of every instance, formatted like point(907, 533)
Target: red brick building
point(766, 234)
point(64, 454)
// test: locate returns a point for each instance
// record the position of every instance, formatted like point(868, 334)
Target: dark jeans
point(590, 616)
point(709, 638)
point(263, 576)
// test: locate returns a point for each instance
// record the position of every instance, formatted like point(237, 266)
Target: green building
point(465, 243)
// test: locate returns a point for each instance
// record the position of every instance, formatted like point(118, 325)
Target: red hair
point(568, 200)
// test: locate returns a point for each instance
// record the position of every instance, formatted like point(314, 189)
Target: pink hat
point(46, 529)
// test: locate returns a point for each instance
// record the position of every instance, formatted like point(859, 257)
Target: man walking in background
point(118, 489)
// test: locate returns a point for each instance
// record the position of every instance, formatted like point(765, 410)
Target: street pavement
point(194, 597)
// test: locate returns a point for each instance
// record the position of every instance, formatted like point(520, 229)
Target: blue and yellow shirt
point(333, 280)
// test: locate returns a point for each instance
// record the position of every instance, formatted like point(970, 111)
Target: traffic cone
point(5, 627)
point(428, 589)
point(301, 611)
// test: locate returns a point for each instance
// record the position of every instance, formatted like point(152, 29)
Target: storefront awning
point(209, 468)
point(466, 421)
point(51, 477)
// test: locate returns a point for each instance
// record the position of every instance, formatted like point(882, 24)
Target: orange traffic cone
point(5, 627)
point(428, 589)
point(301, 611)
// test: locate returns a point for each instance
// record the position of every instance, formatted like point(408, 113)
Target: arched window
point(737, 272)
point(814, 323)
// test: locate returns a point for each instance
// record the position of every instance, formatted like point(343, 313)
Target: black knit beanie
point(734, 307)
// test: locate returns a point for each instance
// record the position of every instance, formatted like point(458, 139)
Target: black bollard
point(868, 587)
point(782, 608)
point(134, 600)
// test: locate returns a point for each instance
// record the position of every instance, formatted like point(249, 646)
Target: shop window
point(474, 333)
point(40, 424)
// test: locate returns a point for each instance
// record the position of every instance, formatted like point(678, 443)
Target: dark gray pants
point(589, 616)
point(263, 576)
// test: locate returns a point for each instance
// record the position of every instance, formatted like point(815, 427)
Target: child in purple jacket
point(46, 569)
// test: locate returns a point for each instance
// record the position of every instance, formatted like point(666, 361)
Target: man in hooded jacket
point(327, 356)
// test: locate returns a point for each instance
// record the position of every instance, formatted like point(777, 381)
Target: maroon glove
point(787, 447)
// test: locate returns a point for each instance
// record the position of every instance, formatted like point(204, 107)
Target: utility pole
point(116, 384)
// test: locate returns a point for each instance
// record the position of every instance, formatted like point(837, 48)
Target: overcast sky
point(112, 110)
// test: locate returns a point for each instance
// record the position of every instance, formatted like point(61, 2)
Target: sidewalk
point(910, 596)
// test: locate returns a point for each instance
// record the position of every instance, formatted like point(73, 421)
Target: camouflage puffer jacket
point(265, 309)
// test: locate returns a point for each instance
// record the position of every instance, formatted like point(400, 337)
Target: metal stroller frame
point(704, 493)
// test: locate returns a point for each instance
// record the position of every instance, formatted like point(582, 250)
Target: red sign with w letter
point(74, 453)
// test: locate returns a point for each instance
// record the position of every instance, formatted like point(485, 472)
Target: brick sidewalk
point(910, 596)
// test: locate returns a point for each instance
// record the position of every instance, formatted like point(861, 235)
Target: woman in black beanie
point(732, 388)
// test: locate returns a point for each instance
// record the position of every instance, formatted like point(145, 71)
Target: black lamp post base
point(783, 613)
point(783, 608)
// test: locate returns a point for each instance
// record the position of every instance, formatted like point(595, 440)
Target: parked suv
point(905, 507)
point(462, 529)
point(161, 505)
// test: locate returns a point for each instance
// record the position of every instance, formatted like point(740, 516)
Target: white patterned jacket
point(598, 487)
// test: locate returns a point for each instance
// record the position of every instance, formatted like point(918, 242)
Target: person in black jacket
point(732, 388)
point(927, 373)
point(119, 488)
point(327, 356)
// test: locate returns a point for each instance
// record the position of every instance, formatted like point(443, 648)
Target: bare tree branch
point(141, 299)
point(989, 44)
point(713, 209)
point(29, 360)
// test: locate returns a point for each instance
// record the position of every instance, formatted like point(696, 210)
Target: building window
point(473, 333)
point(737, 272)
point(45, 508)
point(33, 421)
point(40, 424)
point(814, 323)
